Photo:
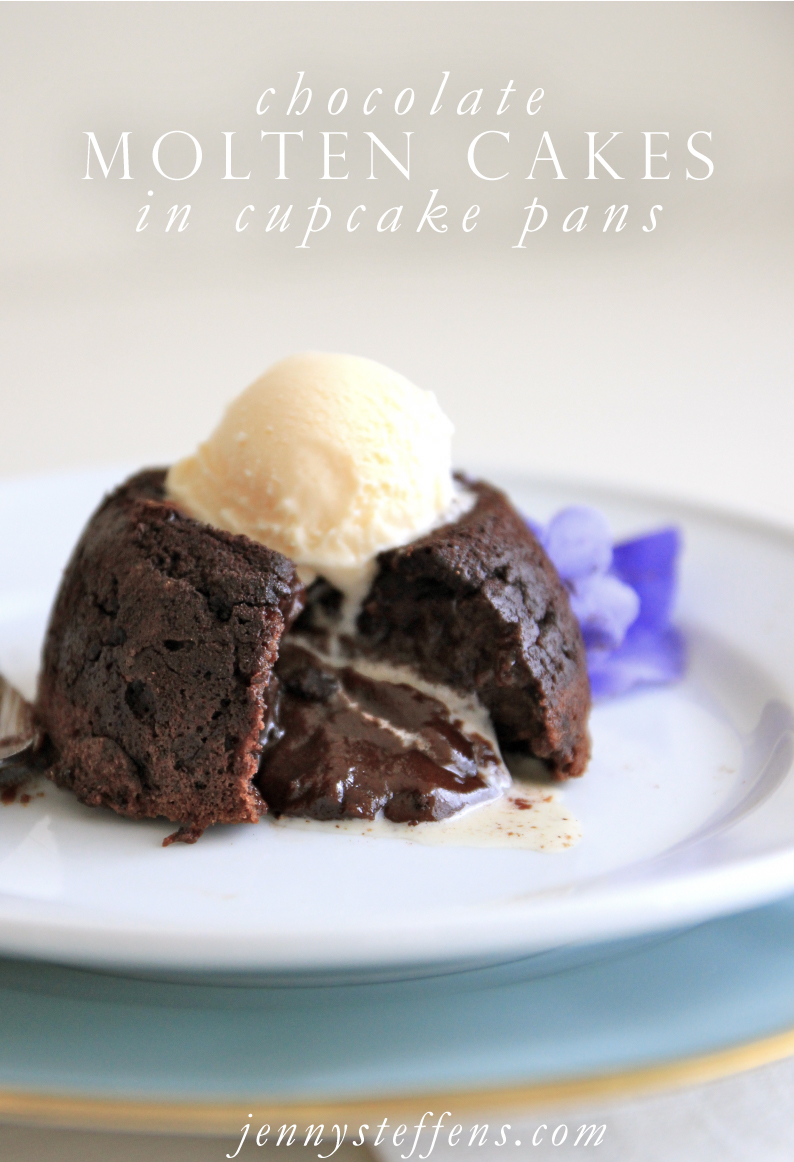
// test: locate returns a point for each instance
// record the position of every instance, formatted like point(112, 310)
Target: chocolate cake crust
point(477, 605)
point(154, 685)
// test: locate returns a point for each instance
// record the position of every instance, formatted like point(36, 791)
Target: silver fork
point(17, 729)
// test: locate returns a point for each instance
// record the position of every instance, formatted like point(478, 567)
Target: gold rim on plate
point(222, 1118)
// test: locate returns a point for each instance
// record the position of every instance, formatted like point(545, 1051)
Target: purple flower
point(653, 651)
point(605, 608)
point(579, 542)
point(622, 596)
point(648, 565)
point(646, 658)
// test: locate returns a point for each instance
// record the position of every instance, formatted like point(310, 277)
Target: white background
point(660, 360)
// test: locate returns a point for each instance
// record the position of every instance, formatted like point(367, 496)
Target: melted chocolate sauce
point(344, 746)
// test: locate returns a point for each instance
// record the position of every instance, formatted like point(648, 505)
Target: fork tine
point(17, 731)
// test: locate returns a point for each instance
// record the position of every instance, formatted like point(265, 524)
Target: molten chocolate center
point(343, 745)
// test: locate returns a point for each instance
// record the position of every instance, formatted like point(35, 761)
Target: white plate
point(687, 806)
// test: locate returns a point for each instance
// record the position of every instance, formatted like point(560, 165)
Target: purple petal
point(605, 607)
point(649, 565)
point(579, 542)
point(647, 657)
point(624, 610)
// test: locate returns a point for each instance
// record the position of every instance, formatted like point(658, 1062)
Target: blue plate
point(88, 1047)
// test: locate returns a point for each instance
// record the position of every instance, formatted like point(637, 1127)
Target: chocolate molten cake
point(206, 662)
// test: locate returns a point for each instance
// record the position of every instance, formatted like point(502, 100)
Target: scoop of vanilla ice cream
point(327, 458)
